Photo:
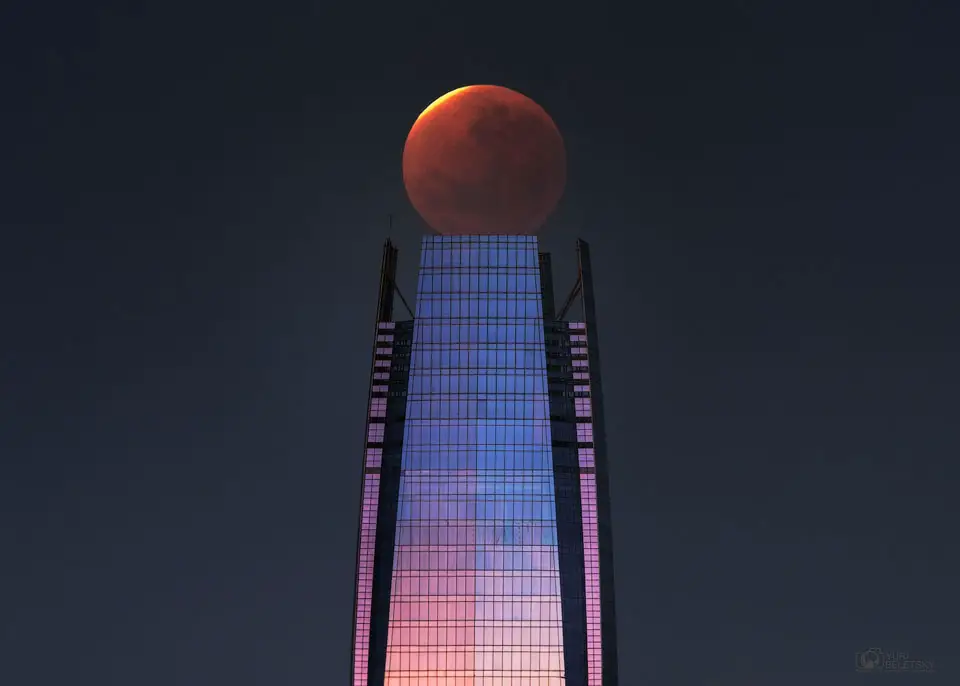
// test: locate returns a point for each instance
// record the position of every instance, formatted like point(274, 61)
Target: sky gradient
point(195, 202)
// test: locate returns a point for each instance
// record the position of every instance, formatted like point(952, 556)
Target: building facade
point(485, 552)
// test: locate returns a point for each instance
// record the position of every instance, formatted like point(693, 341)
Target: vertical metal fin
point(388, 274)
point(546, 286)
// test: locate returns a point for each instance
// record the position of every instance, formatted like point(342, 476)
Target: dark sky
point(194, 200)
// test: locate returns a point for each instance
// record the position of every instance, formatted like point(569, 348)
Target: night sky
point(194, 200)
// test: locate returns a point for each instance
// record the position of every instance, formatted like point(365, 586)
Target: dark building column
point(608, 616)
point(385, 471)
point(566, 477)
point(389, 501)
point(546, 288)
point(388, 276)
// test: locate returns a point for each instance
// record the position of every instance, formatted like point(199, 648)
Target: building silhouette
point(485, 553)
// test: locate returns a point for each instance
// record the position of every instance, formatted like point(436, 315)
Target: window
point(582, 407)
point(375, 433)
point(378, 407)
point(584, 433)
point(586, 457)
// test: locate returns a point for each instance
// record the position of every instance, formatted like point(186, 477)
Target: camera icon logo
point(870, 660)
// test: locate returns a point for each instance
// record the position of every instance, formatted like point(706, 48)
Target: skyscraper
point(485, 554)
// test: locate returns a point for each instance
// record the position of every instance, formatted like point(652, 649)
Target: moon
point(484, 160)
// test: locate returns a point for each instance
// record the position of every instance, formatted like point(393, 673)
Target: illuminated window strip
point(368, 535)
point(368, 518)
point(591, 565)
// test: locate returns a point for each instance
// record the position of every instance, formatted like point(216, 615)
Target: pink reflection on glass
point(475, 591)
point(374, 457)
point(586, 457)
point(375, 433)
point(585, 433)
point(368, 532)
point(378, 407)
point(591, 565)
point(582, 407)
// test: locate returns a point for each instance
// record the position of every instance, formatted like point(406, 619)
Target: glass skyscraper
point(485, 554)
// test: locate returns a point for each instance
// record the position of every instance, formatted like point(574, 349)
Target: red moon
point(484, 160)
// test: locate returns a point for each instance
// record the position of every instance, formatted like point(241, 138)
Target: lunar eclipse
point(484, 160)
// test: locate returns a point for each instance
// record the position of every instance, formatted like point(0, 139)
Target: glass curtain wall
point(475, 592)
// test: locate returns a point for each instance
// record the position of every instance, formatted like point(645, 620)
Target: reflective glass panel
point(476, 589)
